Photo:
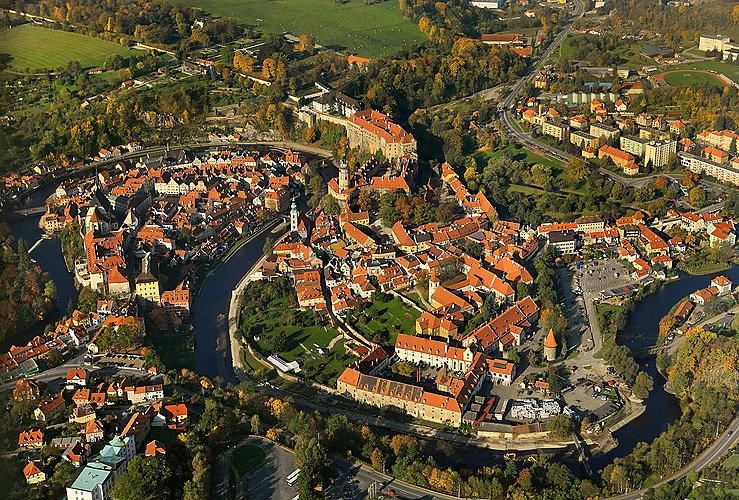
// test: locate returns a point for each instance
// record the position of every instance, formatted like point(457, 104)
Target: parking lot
point(584, 397)
point(600, 275)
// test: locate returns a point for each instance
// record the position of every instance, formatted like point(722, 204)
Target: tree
point(255, 424)
point(513, 357)
point(697, 197)
point(305, 43)
point(665, 325)
point(643, 385)
point(310, 457)
point(243, 62)
point(146, 477)
point(584, 425)
point(378, 460)
point(367, 200)
point(269, 244)
point(561, 426)
point(50, 291)
point(63, 472)
point(577, 169)
point(553, 379)
point(120, 338)
point(388, 212)
point(403, 445)
point(689, 179)
point(330, 205)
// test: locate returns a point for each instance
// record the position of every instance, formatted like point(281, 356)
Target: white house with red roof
point(33, 474)
point(722, 284)
point(77, 377)
point(31, 439)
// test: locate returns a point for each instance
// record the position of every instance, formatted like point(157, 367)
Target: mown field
point(728, 70)
point(385, 318)
point(688, 78)
point(38, 48)
point(367, 30)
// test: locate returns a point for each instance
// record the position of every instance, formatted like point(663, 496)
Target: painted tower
point(294, 214)
point(343, 176)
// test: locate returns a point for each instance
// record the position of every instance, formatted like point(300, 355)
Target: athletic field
point(40, 48)
point(686, 78)
point(367, 30)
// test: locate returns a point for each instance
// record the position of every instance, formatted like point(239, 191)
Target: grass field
point(247, 458)
point(518, 152)
point(732, 462)
point(281, 329)
point(38, 48)
point(367, 30)
point(629, 53)
point(392, 317)
point(728, 70)
point(688, 78)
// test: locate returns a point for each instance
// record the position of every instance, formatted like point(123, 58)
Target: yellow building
point(583, 140)
point(632, 144)
point(652, 134)
point(373, 131)
point(556, 130)
point(147, 288)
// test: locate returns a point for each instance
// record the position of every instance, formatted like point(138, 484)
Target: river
point(48, 255)
point(210, 311)
point(641, 332)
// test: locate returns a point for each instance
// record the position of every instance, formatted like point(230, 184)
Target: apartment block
point(658, 153)
point(632, 144)
point(583, 140)
point(556, 130)
point(604, 131)
point(724, 173)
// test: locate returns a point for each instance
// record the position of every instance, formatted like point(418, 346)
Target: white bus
point(293, 478)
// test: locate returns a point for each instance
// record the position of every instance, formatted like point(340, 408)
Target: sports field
point(367, 30)
point(728, 70)
point(38, 48)
point(688, 78)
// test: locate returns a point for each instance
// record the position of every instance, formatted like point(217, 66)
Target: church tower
point(294, 214)
point(433, 283)
point(343, 175)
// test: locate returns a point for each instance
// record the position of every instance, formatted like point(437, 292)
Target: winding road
point(730, 437)
point(506, 105)
point(716, 451)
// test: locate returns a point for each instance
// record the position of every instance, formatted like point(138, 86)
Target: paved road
point(506, 117)
point(713, 453)
point(539, 62)
point(352, 481)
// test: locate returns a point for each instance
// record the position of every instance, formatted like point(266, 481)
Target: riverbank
point(234, 313)
point(708, 268)
point(639, 335)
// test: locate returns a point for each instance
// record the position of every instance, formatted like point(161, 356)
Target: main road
point(578, 11)
point(713, 453)
point(507, 103)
